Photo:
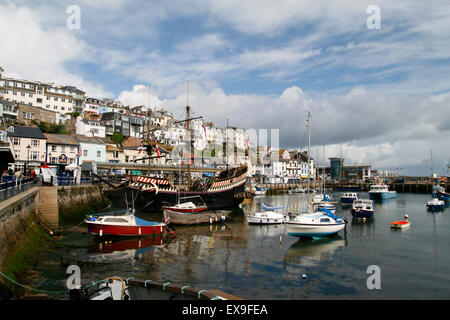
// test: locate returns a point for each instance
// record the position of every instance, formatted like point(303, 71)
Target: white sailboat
point(314, 224)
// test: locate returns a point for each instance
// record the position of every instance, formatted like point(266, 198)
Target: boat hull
point(436, 207)
point(104, 229)
point(183, 210)
point(361, 214)
point(179, 218)
point(400, 224)
point(253, 219)
point(313, 230)
point(382, 195)
point(154, 201)
point(347, 200)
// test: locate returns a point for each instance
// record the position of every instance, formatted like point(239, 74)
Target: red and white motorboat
point(187, 207)
point(123, 225)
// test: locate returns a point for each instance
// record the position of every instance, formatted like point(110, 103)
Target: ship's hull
point(154, 201)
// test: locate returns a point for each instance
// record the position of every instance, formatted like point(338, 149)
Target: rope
point(30, 288)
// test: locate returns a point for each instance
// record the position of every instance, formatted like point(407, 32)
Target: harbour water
point(263, 262)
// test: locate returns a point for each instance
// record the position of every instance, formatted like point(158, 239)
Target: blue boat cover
point(142, 222)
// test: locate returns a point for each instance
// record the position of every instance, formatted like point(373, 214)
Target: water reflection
point(310, 253)
point(113, 250)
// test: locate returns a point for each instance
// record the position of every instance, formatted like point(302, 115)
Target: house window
point(17, 154)
point(39, 100)
point(41, 117)
point(85, 153)
point(53, 148)
point(51, 119)
point(72, 149)
point(53, 160)
point(35, 143)
point(34, 155)
point(99, 153)
point(63, 148)
point(55, 99)
point(16, 141)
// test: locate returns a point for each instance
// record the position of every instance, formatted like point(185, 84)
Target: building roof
point(93, 140)
point(26, 132)
point(53, 138)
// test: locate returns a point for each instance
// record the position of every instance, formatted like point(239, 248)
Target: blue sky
point(383, 94)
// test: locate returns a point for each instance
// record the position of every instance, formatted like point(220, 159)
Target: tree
point(117, 138)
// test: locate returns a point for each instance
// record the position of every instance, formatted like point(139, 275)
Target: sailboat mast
point(149, 114)
point(188, 109)
point(309, 159)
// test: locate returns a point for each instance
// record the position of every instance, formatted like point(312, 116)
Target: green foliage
point(50, 127)
point(117, 138)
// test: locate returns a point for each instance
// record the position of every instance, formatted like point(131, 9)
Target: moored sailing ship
point(226, 190)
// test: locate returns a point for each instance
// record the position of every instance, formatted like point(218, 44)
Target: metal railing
point(13, 187)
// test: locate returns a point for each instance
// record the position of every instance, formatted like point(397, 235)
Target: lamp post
point(28, 160)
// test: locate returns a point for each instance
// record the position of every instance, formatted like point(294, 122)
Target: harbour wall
point(413, 186)
point(29, 221)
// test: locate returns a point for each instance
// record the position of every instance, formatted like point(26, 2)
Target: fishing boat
point(435, 204)
point(314, 224)
point(381, 192)
point(187, 218)
point(123, 223)
point(349, 197)
point(189, 206)
point(363, 208)
point(439, 192)
point(268, 215)
point(117, 288)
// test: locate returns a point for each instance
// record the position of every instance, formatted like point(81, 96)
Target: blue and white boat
point(435, 204)
point(363, 209)
point(381, 192)
point(316, 224)
point(325, 205)
point(349, 197)
point(439, 192)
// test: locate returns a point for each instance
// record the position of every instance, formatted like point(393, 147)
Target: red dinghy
point(187, 207)
point(401, 224)
point(123, 225)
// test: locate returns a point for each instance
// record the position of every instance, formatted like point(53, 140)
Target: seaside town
point(226, 151)
point(58, 125)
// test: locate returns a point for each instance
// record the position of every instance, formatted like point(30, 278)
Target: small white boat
point(435, 204)
point(317, 224)
point(349, 197)
point(381, 192)
point(267, 217)
point(402, 224)
point(363, 208)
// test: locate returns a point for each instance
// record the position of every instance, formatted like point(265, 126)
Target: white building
point(90, 128)
point(61, 99)
point(28, 145)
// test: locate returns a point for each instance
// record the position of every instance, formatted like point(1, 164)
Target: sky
point(376, 81)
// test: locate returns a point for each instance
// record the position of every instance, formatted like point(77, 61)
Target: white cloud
point(32, 52)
